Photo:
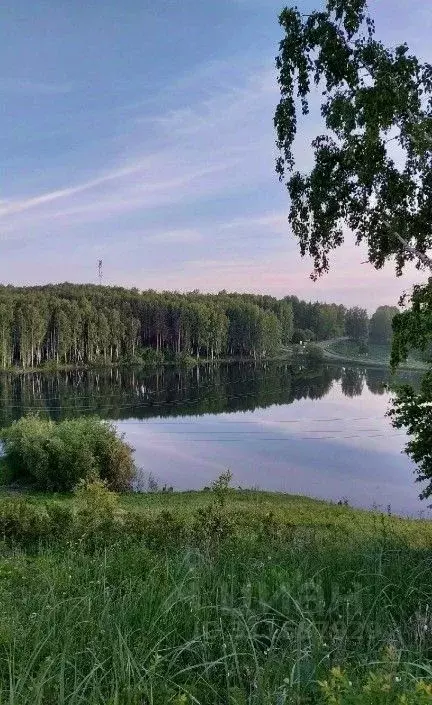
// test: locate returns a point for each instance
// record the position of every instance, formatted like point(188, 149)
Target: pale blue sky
point(140, 132)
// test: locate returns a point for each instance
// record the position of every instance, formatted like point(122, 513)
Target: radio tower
point(100, 273)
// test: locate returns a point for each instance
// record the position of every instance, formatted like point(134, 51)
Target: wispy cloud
point(123, 193)
point(8, 208)
point(200, 151)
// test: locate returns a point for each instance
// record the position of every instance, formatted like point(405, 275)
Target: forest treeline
point(90, 324)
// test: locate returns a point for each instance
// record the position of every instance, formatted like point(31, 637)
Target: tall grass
point(245, 621)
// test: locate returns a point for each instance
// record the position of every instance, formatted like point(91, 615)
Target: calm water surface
point(319, 432)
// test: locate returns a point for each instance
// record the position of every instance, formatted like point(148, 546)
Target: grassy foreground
point(212, 598)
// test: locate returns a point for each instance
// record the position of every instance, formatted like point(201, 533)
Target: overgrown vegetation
point(211, 597)
point(57, 455)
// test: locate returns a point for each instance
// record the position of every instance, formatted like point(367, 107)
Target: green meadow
point(219, 596)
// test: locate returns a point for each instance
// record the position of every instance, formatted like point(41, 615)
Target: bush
point(301, 335)
point(144, 356)
point(56, 456)
point(314, 353)
point(184, 359)
point(97, 510)
point(150, 356)
point(22, 521)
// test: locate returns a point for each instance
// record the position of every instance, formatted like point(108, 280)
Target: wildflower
point(397, 679)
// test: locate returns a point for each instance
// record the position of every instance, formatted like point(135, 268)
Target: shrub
point(61, 518)
point(212, 525)
point(22, 521)
point(150, 356)
point(97, 509)
point(298, 336)
point(314, 353)
point(301, 335)
point(144, 356)
point(56, 456)
point(185, 359)
point(221, 487)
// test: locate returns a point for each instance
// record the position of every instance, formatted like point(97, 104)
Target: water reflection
point(321, 432)
point(352, 382)
point(125, 393)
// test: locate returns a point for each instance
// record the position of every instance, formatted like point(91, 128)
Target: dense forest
point(90, 324)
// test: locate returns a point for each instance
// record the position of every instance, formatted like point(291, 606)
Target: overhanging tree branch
point(412, 250)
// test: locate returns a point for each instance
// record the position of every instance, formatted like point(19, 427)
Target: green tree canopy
point(372, 166)
point(380, 327)
point(372, 162)
point(357, 323)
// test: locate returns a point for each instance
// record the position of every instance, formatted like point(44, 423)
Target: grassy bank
point(245, 511)
point(233, 598)
point(344, 350)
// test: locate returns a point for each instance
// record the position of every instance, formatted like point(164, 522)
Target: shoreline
point(332, 356)
point(192, 363)
point(287, 354)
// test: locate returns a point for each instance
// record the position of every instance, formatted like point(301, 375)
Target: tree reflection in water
point(123, 393)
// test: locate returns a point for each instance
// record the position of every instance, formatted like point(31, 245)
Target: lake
point(319, 432)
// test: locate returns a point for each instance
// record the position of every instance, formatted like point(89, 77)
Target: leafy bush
point(184, 359)
point(221, 487)
point(314, 353)
point(150, 356)
point(97, 509)
point(61, 518)
point(56, 456)
point(299, 336)
point(22, 521)
point(143, 356)
point(212, 525)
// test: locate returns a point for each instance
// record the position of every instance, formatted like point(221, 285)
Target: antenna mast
point(100, 272)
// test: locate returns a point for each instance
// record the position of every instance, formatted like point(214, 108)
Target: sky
point(140, 132)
